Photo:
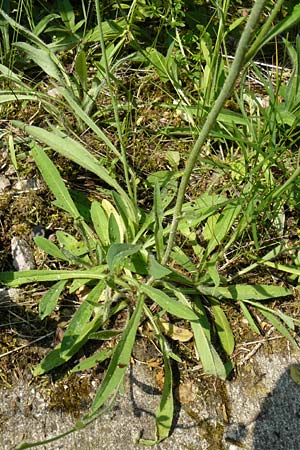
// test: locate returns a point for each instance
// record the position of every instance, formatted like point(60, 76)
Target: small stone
point(26, 185)
point(4, 183)
point(22, 253)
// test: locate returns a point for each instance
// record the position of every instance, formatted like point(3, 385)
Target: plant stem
point(264, 30)
point(235, 69)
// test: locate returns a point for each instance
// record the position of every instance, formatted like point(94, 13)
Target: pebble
point(22, 253)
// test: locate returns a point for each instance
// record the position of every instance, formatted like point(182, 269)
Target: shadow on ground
point(278, 423)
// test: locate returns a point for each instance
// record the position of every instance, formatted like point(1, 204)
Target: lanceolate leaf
point(120, 360)
point(81, 324)
point(15, 279)
point(156, 270)
point(100, 222)
point(54, 181)
point(72, 150)
point(76, 334)
point(118, 252)
point(279, 327)
point(223, 328)
point(165, 411)
point(93, 360)
point(211, 361)
point(245, 292)
point(49, 247)
point(42, 58)
point(171, 305)
point(49, 300)
point(249, 318)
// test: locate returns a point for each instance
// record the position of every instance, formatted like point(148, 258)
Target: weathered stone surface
point(263, 405)
point(22, 254)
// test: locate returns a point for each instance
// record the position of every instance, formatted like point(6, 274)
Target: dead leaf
point(160, 378)
point(176, 333)
point(186, 392)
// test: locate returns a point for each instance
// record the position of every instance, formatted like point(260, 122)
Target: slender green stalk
point(235, 69)
point(114, 104)
point(264, 30)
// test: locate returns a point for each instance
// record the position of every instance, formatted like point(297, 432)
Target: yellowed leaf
point(176, 333)
point(186, 392)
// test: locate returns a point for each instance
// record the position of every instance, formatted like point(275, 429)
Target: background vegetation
point(167, 134)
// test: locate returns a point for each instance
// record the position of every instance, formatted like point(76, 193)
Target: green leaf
point(104, 335)
point(120, 360)
point(92, 361)
point(249, 318)
point(156, 270)
point(68, 242)
point(292, 19)
point(53, 179)
point(171, 305)
point(211, 361)
point(70, 149)
point(223, 328)
point(245, 291)
point(165, 411)
point(10, 75)
point(295, 373)
point(49, 247)
point(182, 259)
point(81, 68)
point(80, 113)
point(212, 270)
point(67, 13)
point(81, 324)
point(50, 299)
point(76, 334)
point(118, 252)
point(127, 212)
point(219, 226)
point(158, 228)
point(100, 222)
point(279, 327)
point(42, 58)
point(12, 152)
point(288, 320)
point(15, 279)
point(114, 231)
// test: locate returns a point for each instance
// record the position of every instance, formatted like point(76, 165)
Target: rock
point(26, 185)
point(22, 253)
point(4, 183)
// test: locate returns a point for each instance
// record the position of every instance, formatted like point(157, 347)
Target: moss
point(72, 394)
